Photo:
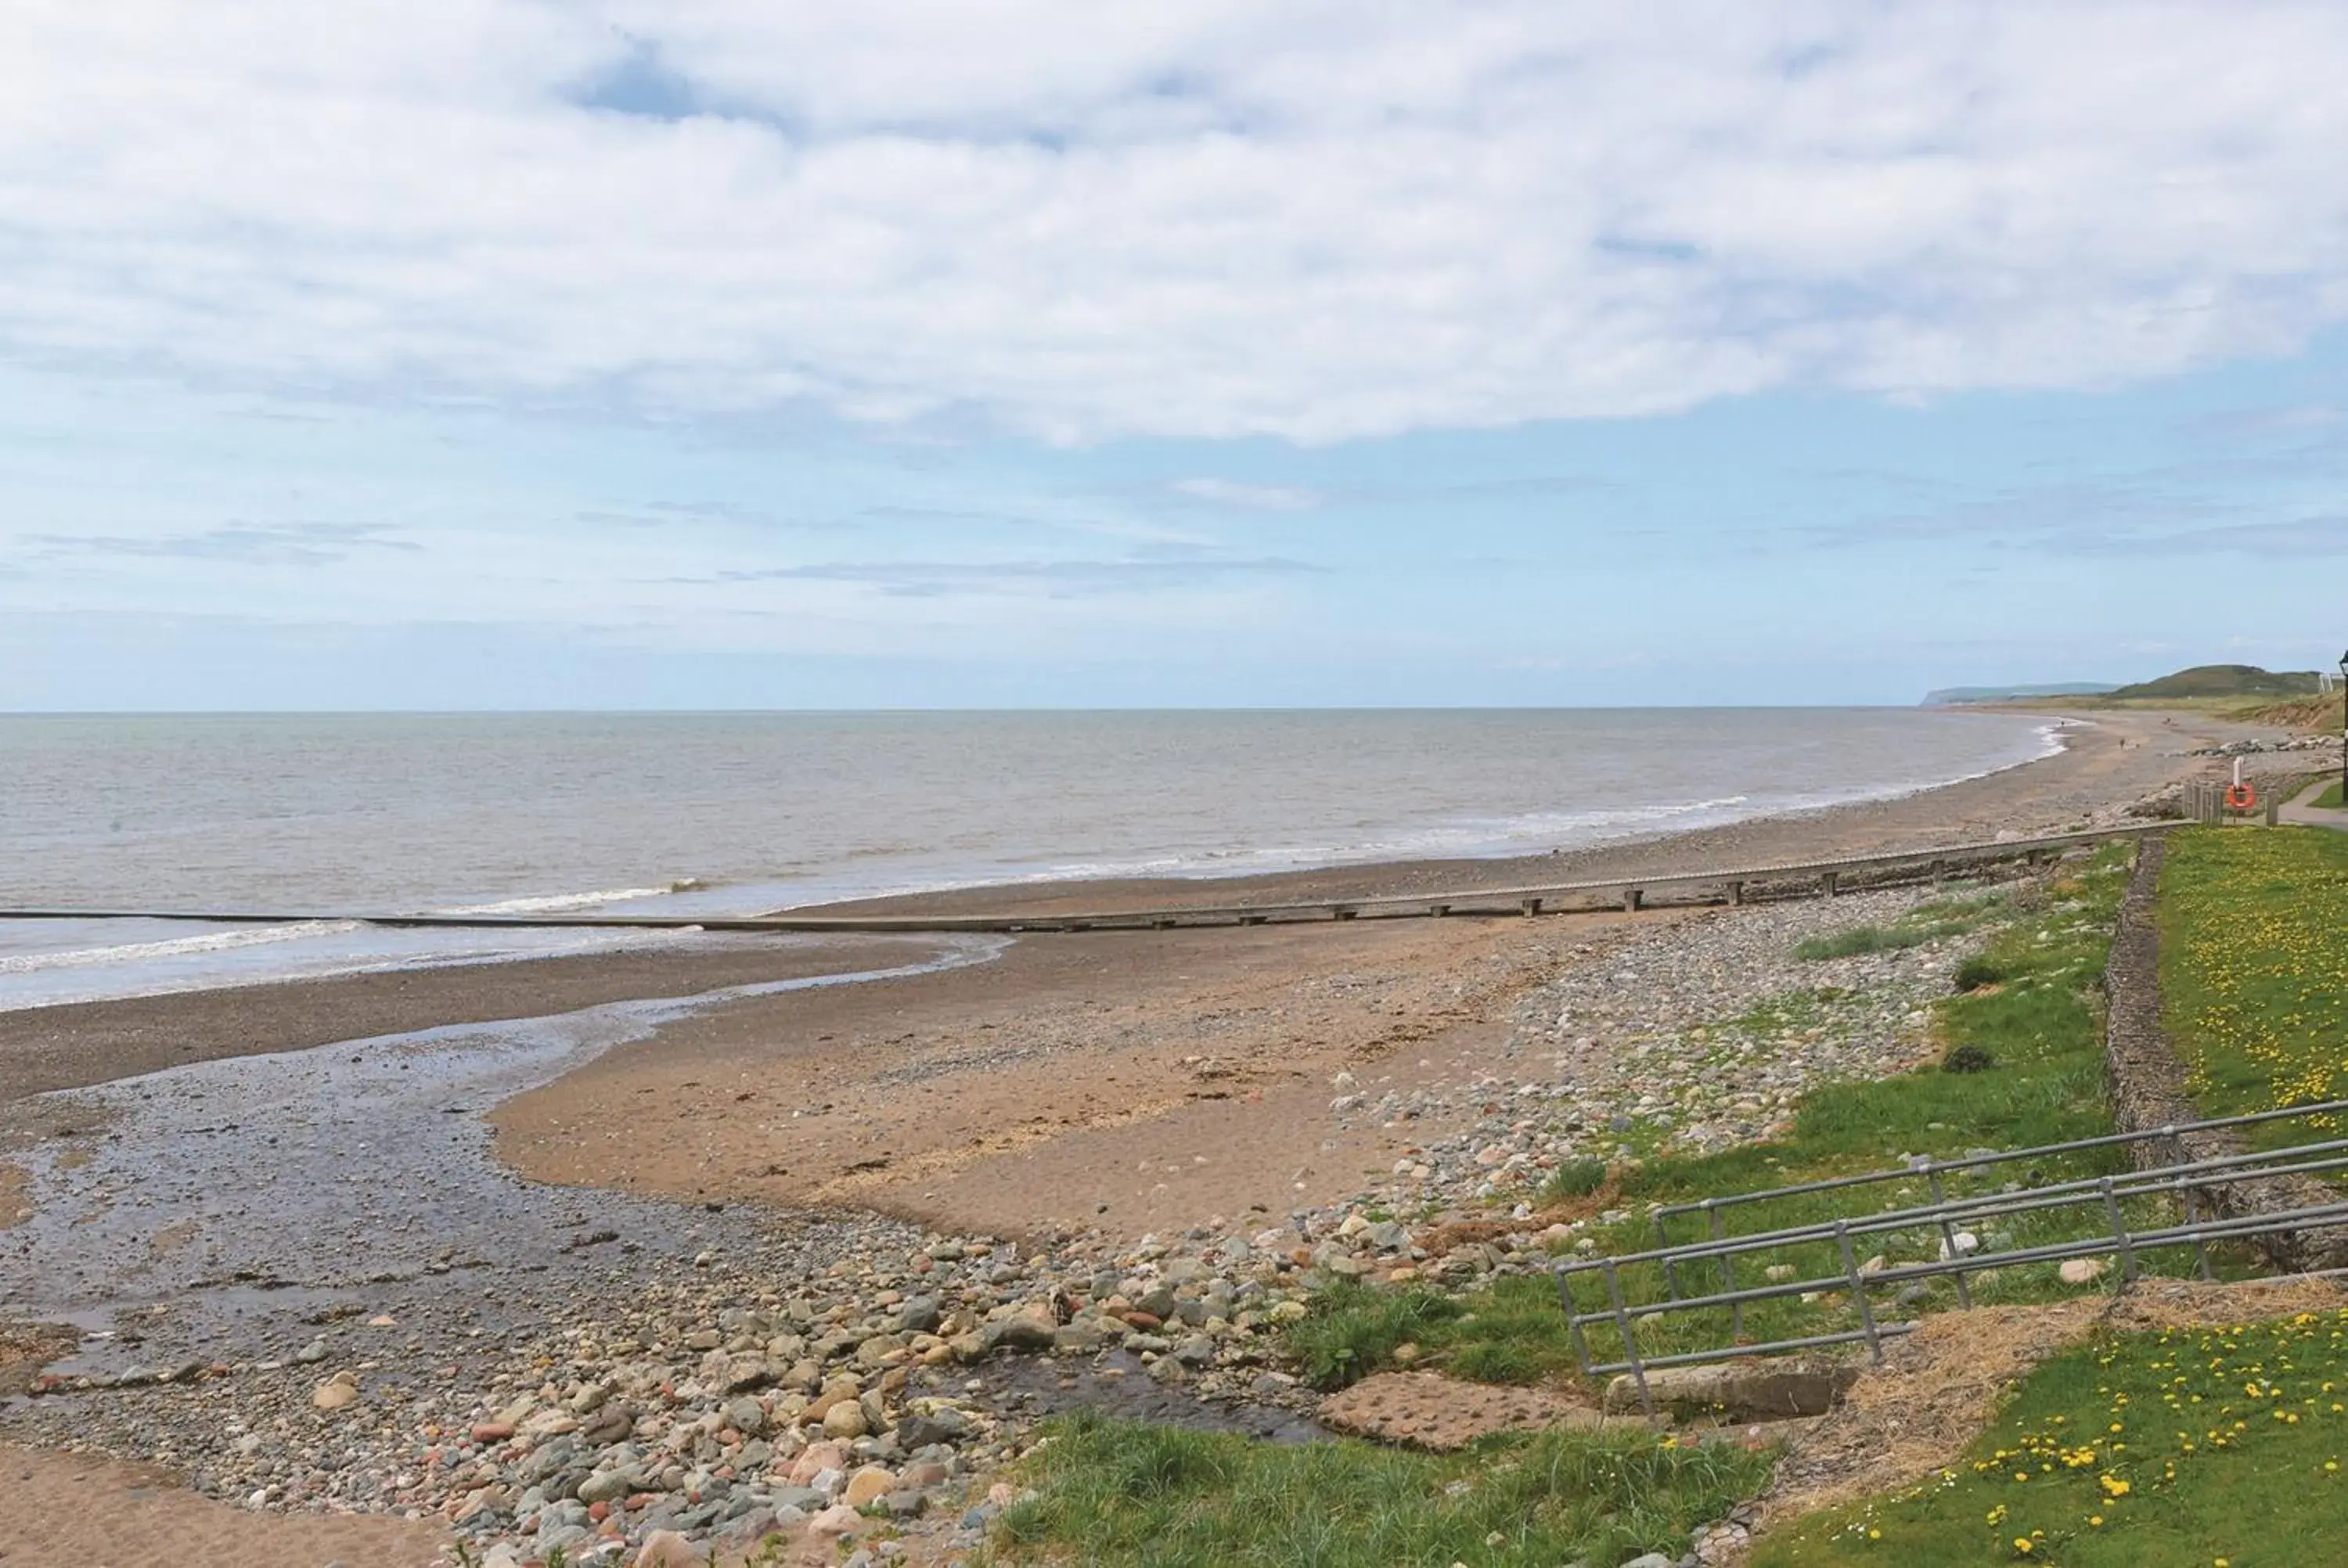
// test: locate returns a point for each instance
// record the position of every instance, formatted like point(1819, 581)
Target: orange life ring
point(2241, 796)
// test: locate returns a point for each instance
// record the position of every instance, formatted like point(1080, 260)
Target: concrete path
point(2296, 809)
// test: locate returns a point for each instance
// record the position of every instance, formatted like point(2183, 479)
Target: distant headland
point(2200, 680)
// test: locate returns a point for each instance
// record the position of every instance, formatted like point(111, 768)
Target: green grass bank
point(2217, 1447)
point(2254, 968)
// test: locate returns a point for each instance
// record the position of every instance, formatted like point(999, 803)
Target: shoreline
point(1080, 1092)
point(2098, 770)
point(2105, 764)
point(2051, 730)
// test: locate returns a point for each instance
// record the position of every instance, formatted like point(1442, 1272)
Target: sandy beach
point(1070, 1091)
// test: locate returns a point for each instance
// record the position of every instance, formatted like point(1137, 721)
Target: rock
point(837, 1520)
point(845, 1420)
point(2081, 1270)
point(1749, 1391)
point(1649, 1560)
point(336, 1392)
point(607, 1486)
point(607, 1426)
point(834, 1391)
point(563, 1538)
point(1082, 1337)
point(819, 1458)
point(1020, 1331)
point(869, 1485)
point(668, 1549)
point(943, 1425)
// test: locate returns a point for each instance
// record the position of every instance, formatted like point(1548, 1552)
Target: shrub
point(1574, 1179)
point(1967, 1059)
point(1977, 972)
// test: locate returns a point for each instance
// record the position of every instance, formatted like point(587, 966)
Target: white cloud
point(1249, 498)
point(1316, 221)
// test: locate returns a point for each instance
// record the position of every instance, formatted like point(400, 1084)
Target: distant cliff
point(1953, 695)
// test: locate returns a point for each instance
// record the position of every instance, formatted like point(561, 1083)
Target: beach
point(1064, 1100)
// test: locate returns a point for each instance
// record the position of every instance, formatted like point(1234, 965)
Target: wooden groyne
point(1736, 884)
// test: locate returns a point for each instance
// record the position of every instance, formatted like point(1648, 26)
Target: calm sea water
point(761, 811)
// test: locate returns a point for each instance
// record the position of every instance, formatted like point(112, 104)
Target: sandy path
point(146, 1519)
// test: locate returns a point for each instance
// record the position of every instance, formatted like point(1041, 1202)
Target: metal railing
point(1933, 1170)
point(2193, 1185)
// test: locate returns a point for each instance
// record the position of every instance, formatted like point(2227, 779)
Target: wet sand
point(80, 1043)
point(1129, 1081)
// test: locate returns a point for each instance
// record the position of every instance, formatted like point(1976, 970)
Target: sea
point(740, 812)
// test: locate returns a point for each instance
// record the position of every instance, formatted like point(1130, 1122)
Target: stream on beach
point(234, 1193)
point(229, 1210)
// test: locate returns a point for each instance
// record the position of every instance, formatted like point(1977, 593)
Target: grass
point(1930, 922)
point(2034, 1008)
point(1574, 1179)
point(1124, 1496)
point(1352, 1329)
point(2329, 800)
point(1509, 1331)
point(2178, 1449)
point(2040, 1025)
point(2254, 970)
point(1862, 939)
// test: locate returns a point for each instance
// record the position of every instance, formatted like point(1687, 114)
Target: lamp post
point(2343, 732)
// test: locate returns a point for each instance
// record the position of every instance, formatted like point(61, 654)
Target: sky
point(516, 354)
